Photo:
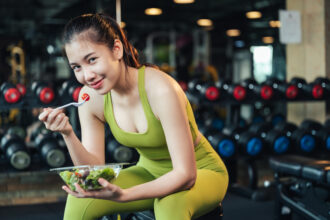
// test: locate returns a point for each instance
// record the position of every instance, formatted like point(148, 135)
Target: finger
point(80, 190)
point(58, 120)
point(52, 116)
point(43, 116)
point(106, 184)
point(63, 123)
point(69, 191)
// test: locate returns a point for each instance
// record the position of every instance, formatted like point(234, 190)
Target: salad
point(86, 179)
point(87, 175)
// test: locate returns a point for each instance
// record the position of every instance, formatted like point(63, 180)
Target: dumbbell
point(283, 90)
point(44, 93)
point(15, 151)
point(50, 151)
point(183, 85)
point(10, 93)
point(231, 91)
point(321, 134)
point(301, 139)
point(248, 143)
point(119, 153)
point(17, 130)
point(275, 141)
point(224, 145)
point(203, 90)
point(325, 84)
point(260, 91)
point(309, 90)
point(70, 91)
point(21, 88)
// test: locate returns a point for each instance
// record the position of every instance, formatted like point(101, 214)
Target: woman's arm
point(91, 149)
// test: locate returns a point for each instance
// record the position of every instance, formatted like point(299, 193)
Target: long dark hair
point(101, 28)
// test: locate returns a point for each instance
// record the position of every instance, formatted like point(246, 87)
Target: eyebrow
point(85, 57)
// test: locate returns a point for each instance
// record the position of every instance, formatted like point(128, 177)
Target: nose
point(89, 75)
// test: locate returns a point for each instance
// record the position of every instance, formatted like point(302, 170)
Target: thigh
point(209, 190)
point(78, 208)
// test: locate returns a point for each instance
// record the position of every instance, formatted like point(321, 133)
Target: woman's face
point(94, 65)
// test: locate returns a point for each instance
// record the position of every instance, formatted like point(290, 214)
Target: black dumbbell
point(17, 130)
point(119, 153)
point(10, 93)
point(275, 141)
point(321, 133)
point(15, 151)
point(223, 144)
point(307, 90)
point(49, 149)
point(44, 93)
point(282, 89)
point(302, 139)
point(203, 90)
point(325, 84)
point(21, 88)
point(257, 90)
point(70, 91)
point(231, 91)
point(248, 143)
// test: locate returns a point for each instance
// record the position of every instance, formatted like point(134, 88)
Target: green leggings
point(209, 190)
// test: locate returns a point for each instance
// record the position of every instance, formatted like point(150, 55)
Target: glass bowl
point(87, 175)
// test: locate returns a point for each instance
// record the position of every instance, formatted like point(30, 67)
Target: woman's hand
point(109, 192)
point(56, 120)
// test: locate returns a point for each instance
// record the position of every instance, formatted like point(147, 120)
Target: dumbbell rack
point(34, 184)
point(233, 108)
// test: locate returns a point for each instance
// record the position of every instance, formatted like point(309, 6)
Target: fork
point(76, 104)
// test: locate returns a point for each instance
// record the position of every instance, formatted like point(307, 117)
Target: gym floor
point(235, 208)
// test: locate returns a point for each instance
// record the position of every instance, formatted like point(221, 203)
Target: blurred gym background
point(256, 72)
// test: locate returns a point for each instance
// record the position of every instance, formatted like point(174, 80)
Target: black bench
point(215, 214)
point(303, 186)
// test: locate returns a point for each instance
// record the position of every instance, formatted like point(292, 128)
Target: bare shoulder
point(95, 104)
point(162, 88)
point(159, 83)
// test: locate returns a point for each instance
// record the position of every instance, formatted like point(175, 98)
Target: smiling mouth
point(97, 84)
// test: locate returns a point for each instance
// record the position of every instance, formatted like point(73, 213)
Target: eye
point(92, 60)
point(75, 68)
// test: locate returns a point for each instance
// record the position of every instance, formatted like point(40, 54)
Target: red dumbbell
point(10, 93)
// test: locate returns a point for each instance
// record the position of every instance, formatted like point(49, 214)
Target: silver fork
point(76, 104)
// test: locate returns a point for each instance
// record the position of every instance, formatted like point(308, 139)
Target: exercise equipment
point(248, 143)
point(203, 90)
point(255, 90)
point(302, 186)
point(275, 141)
point(69, 91)
point(283, 90)
point(15, 151)
point(231, 91)
point(117, 153)
point(223, 144)
point(47, 145)
point(321, 134)
point(325, 84)
point(44, 93)
point(10, 93)
point(302, 140)
point(307, 90)
point(215, 214)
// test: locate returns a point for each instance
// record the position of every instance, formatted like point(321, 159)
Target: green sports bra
point(152, 143)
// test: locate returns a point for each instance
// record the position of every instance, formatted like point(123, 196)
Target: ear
point(118, 49)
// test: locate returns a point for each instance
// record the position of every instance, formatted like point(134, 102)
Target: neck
point(126, 82)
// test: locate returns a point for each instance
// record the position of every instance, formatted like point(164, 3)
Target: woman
point(178, 174)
